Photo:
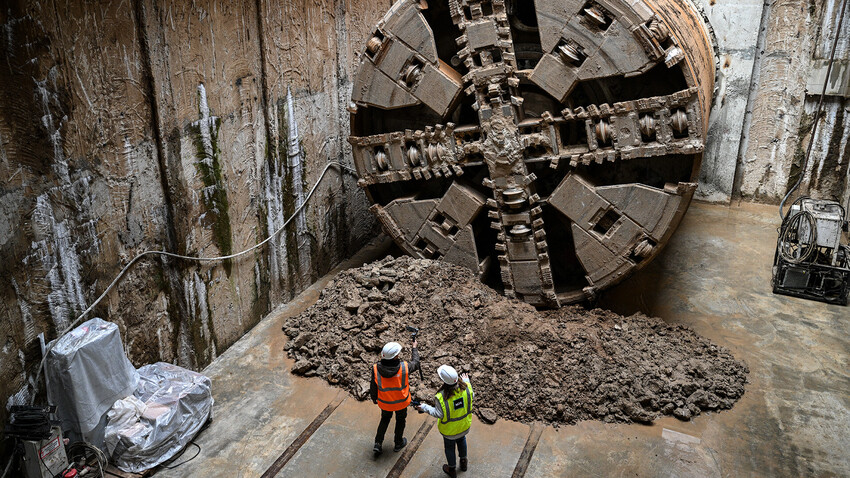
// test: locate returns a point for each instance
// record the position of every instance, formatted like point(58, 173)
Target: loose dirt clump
point(559, 366)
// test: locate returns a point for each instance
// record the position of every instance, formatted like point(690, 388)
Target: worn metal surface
point(551, 146)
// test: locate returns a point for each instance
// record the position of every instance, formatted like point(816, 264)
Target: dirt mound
point(559, 366)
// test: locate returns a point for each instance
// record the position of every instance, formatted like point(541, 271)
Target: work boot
point(450, 470)
point(399, 446)
point(463, 463)
point(377, 449)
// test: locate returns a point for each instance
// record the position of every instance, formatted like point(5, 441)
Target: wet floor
point(714, 276)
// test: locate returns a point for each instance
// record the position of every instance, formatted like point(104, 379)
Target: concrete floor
point(714, 276)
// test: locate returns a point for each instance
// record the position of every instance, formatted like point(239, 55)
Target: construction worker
point(454, 411)
point(390, 389)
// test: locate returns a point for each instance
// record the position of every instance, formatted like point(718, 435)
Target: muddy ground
point(558, 366)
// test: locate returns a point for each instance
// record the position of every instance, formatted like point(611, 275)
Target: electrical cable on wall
point(298, 210)
point(817, 110)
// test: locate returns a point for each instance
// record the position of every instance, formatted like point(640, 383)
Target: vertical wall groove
point(263, 286)
point(751, 97)
point(264, 82)
point(177, 294)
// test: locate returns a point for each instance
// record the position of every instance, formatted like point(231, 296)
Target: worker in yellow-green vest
point(454, 410)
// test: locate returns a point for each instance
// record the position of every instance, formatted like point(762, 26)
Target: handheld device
point(413, 333)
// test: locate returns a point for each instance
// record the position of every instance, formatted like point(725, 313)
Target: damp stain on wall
point(205, 134)
point(201, 329)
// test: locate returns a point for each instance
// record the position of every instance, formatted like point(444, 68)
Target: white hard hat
point(447, 374)
point(390, 350)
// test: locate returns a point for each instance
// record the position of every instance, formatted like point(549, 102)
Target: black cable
point(29, 423)
point(794, 226)
point(181, 454)
point(817, 111)
point(80, 448)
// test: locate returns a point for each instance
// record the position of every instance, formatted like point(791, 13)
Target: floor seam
point(305, 435)
point(411, 449)
point(528, 450)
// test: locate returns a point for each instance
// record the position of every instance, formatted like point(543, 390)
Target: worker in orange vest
point(390, 390)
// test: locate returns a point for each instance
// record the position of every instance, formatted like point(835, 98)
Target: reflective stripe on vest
point(396, 394)
point(452, 425)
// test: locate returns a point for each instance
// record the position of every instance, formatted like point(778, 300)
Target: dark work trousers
point(450, 449)
point(400, 418)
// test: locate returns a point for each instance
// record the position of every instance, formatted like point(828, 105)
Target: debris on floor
point(558, 366)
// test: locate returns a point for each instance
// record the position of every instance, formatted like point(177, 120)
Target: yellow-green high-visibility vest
point(457, 411)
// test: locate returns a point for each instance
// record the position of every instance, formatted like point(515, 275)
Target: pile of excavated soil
point(559, 366)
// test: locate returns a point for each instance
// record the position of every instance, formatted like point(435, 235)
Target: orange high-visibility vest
point(393, 392)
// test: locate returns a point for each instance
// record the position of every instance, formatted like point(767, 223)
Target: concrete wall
point(192, 127)
point(736, 28)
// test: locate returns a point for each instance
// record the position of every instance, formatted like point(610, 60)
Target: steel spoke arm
point(642, 128)
point(437, 151)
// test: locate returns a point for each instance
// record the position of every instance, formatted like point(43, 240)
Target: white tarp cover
point(86, 372)
point(176, 404)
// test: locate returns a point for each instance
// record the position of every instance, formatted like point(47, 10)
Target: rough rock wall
point(192, 127)
point(795, 32)
point(827, 174)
